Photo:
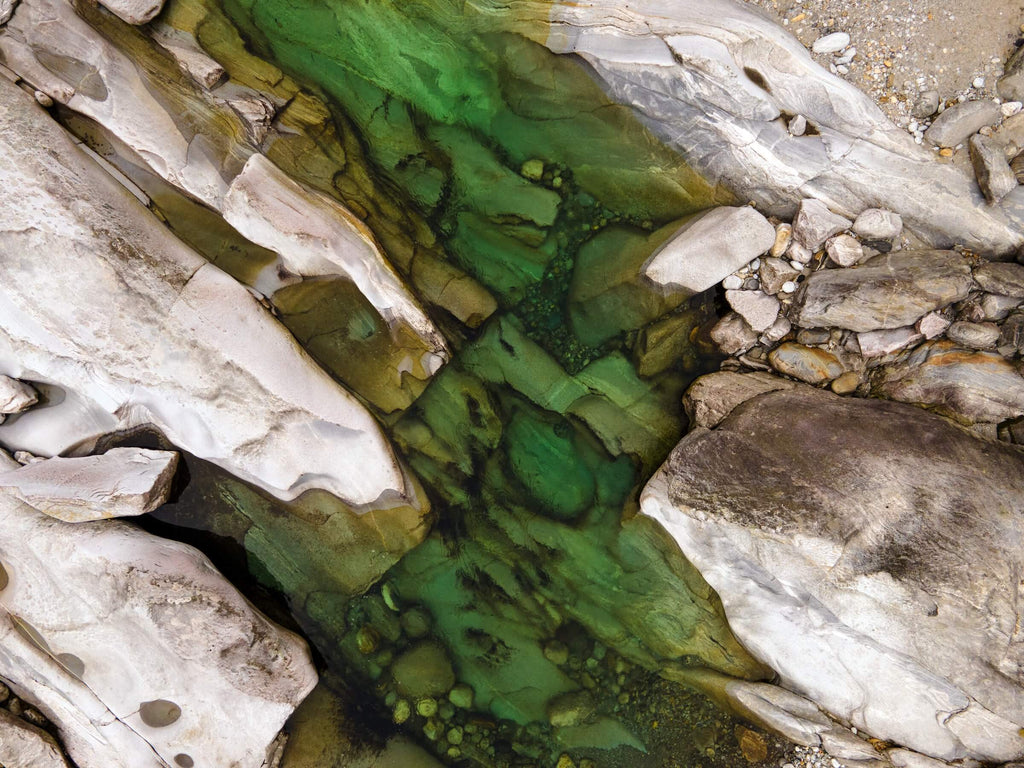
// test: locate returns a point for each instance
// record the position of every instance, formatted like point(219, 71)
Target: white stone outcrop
point(869, 552)
point(90, 75)
point(130, 318)
point(138, 649)
point(123, 482)
point(316, 236)
point(716, 79)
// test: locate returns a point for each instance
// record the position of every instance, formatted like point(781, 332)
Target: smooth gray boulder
point(870, 553)
point(967, 385)
point(123, 482)
point(714, 79)
point(960, 121)
point(889, 291)
point(708, 247)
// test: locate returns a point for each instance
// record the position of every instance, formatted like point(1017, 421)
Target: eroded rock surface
point(869, 552)
point(889, 291)
point(136, 646)
point(201, 359)
point(123, 482)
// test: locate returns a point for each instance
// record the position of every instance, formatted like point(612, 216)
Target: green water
point(518, 203)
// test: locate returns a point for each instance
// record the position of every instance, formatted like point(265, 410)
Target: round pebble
point(732, 282)
point(426, 707)
point(788, 287)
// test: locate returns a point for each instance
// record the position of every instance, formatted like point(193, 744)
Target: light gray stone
point(995, 177)
point(713, 397)
point(709, 246)
point(974, 335)
point(756, 307)
point(24, 746)
point(961, 120)
point(876, 224)
point(1004, 278)
point(1011, 85)
point(808, 364)
point(889, 291)
point(884, 342)
point(798, 253)
point(783, 236)
point(798, 125)
point(815, 223)
point(880, 580)
point(832, 43)
point(844, 250)
point(967, 385)
point(16, 396)
point(123, 482)
point(732, 334)
point(926, 105)
point(933, 324)
point(1011, 334)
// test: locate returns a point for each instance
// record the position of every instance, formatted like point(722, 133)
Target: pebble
point(402, 711)
point(815, 223)
point(798, 125)
point(1010, 108)
point(461, 696)
point(774, 273)
point(846, 384)
point(43, 99)
point(933, 324)
point(788, 287)
point(783, 234)
point(927, 104)
point(426, 707)
point(833, 43)
point(844, 250)
point(732, 282)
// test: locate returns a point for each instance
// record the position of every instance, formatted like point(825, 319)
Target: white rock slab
point(114, 93)
point(123, 482)
point(710, 246)
point(16, 396)
point(130, 642)
point(713, 79)
point(141, 325)
point(316, 236)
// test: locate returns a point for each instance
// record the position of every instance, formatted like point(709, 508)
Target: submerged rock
point(134, 646)
point(889, 291)
point(121, 483)
point(877, 577)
